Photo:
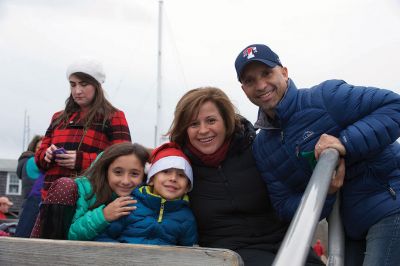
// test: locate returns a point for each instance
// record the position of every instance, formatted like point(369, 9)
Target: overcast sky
point(354, 40)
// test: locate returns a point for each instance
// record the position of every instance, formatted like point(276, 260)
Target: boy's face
point(170, 184)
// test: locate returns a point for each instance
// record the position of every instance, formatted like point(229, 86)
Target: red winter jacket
point(96, 139)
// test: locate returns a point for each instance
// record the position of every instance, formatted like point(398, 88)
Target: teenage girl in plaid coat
point(76, 135)
point(88, 124)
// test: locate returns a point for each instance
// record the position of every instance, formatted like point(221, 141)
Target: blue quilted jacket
point(365, 119)
point(156, 221)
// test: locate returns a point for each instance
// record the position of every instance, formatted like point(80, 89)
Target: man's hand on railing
point(328, 141)
point(338, 177)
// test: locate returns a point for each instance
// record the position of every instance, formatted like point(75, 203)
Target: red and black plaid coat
point(96, 139)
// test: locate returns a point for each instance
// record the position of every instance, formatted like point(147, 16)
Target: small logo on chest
point(307, 134)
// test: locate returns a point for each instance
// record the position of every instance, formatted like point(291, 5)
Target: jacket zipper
point(160, 215)
point(226, 184)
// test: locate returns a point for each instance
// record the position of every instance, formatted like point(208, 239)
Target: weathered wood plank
point(25, 251)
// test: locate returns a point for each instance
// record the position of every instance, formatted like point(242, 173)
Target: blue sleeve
point(189, 236)
point(112, 232)
point(31, 169)
point(286, 201)
point(370, 118)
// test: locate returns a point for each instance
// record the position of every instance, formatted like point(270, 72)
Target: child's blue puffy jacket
point(155, 221)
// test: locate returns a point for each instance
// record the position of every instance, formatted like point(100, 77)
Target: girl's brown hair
point(188, 108)
point(97, 173)
point(100, 108)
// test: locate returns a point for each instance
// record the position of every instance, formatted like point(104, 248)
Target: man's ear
point(285, 72)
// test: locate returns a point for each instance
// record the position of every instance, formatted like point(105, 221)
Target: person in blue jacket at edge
point(163, 216)
point(362, 123)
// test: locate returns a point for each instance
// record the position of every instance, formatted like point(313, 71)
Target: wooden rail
point(26, 251)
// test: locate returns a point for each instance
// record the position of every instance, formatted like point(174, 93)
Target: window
point(14, 184)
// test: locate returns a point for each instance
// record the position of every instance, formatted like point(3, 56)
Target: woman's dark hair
point(34, 142)
point(55, 220)
point(97, 173)
point(100, 107)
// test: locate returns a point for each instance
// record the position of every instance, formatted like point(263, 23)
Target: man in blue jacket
point(362, 123)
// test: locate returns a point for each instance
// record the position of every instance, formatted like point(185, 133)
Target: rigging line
point(139, 105)
point(121, 83)
point(177, 55)
point(127, 69)
point(123, 75)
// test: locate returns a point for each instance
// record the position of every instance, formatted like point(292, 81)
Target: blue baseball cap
point(256, 52)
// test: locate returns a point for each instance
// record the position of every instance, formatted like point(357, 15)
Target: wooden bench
point(26, 251)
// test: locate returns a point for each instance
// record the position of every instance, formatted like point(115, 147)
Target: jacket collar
point(284, 110)
point(147, 190)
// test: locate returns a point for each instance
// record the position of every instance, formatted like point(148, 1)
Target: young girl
point(104, 194)
point(163, 216)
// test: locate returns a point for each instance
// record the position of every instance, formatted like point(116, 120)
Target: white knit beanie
point(89, 66)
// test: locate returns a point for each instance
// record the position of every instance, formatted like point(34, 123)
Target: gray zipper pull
point(392, 192)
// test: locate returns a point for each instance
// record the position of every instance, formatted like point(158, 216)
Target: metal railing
point(335, 236)
point(296, 244)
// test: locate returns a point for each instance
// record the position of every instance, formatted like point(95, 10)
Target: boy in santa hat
point(163, 216)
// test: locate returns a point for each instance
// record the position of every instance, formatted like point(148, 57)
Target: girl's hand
point(49, 153)
point(118, 208)
point(66, 160)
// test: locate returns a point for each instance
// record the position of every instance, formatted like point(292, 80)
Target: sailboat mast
point(159, 78)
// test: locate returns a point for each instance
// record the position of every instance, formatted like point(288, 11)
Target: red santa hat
point(169, 155)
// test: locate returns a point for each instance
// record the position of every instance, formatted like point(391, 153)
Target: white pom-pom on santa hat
point(169, 155)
